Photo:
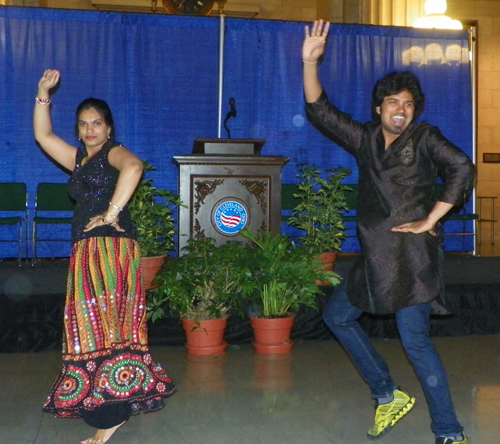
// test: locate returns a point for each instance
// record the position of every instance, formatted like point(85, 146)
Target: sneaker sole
point(407, 408)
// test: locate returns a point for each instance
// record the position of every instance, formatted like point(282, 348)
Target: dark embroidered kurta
point(396, 186)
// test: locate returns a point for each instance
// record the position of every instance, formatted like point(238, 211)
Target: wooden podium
point(224, 192)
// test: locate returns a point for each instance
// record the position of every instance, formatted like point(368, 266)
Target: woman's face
point(92, 128)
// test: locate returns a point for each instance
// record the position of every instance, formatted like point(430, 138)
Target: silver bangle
point(105, 222)
point(115, 206)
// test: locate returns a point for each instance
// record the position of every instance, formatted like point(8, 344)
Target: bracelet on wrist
point(109, 224)
point(43, 101)
point(309, 63)
point(106, 222)
point(116, 207)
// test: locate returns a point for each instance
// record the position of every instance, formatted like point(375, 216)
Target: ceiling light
point(435, 18)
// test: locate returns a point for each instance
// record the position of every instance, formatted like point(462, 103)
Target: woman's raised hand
point(49, 79)
point(314, 43)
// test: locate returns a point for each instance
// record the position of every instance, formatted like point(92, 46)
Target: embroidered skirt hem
point(106, 358)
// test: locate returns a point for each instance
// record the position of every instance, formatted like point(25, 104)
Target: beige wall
point(486, 13)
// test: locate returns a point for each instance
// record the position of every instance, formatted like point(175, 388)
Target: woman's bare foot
point(102, 435)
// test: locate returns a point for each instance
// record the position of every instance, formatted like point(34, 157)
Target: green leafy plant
point(283, 275)
point(152, 212)
point(204, 283)
point(320, 209)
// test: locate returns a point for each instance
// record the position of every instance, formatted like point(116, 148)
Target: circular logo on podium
point(230, 216)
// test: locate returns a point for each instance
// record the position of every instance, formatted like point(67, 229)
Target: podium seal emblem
point(230, 216)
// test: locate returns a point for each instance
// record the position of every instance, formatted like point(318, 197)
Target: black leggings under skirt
point(108, 415)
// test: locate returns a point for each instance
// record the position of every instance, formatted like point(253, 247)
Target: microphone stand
point(232, 113)
point(221, 62)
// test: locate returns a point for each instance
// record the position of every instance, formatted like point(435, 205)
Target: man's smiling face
point(396, 113)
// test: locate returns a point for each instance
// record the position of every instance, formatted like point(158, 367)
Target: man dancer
point(400, 268)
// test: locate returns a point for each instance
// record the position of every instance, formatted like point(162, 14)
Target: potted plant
point(320, 210)
point(152, 211)
point(283, 280)
point(201, 287)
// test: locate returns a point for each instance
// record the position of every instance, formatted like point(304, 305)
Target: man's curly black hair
point(394, 83)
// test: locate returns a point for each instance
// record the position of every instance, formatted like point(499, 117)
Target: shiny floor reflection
point(312, 395)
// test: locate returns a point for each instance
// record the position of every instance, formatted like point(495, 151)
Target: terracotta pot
point(329, 260)
point(151, 266)
point(205, 338)
point(272, 336)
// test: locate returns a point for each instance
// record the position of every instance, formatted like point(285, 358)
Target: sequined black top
point(92, 185)
point(396, 186)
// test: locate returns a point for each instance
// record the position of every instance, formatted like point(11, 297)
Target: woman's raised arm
point(61, 151)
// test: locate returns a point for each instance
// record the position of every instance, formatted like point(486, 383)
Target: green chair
point(53, 206)
point(459, 214)
point(14, 210)
point(288, 202)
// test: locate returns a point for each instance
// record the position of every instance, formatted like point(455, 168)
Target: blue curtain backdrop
point(160, 77)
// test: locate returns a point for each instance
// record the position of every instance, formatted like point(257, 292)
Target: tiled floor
point(312, 396)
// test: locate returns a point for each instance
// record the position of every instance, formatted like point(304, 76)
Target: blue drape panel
point(263, 72)
point(160, 76)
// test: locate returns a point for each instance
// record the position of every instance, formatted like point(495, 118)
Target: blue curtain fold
point(160, 76)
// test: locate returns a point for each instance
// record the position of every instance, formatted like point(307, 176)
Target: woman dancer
point(108, 373)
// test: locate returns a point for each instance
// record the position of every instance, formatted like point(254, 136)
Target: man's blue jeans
point(414, 326)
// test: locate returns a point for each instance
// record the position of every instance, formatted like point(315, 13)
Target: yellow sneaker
point(387, 415)
point(443, 440)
